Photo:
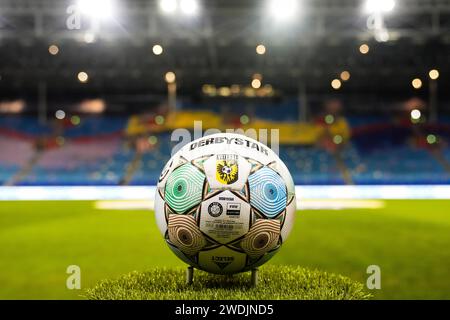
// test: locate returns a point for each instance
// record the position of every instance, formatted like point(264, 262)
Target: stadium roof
point(217, 46)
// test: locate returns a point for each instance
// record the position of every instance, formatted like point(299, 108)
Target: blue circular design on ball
point(270, 191)
point(267, 192)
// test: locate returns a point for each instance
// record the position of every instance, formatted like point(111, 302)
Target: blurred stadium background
point(91, 91)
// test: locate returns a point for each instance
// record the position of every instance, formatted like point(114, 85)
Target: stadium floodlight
point(224, 91)
point(433, 74)
point(379, 6)
point(416, 83)
point(415, 114)
point(336, 84)
point(82, 76)
point(256, 83)
point(431, 139)
point(168, 6)
point(337, 139)
point(364, 48)
point(345, 75)
point(189, 7)
point(96, 9)
point(157, 49)
point(53, 49)
point(60, 114)
point(170, 77)
point(260, 49)
point(283, 9)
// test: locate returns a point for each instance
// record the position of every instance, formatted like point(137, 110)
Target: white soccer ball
point(225, 203)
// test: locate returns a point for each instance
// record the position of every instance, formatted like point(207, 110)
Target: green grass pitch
point(409, 240)
point(275, 282)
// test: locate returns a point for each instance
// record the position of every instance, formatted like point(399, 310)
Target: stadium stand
point(15, 154)
point(104, 150)
point(94, 162)
point(394, 165)
point(312, 165)
point(95, 126)
point(23, 126)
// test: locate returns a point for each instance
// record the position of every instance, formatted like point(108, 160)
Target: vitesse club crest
point(227, 168)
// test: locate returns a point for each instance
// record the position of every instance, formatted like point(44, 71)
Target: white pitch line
point(338, 204)
point(302, 204)
point(124, 205)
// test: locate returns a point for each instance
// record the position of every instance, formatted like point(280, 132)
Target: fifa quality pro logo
point(227, 171)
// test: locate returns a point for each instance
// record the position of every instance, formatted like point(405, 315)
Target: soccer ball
point(225, 203)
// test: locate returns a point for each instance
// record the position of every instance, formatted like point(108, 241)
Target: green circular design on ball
point(179, 188)
point(184, 188)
